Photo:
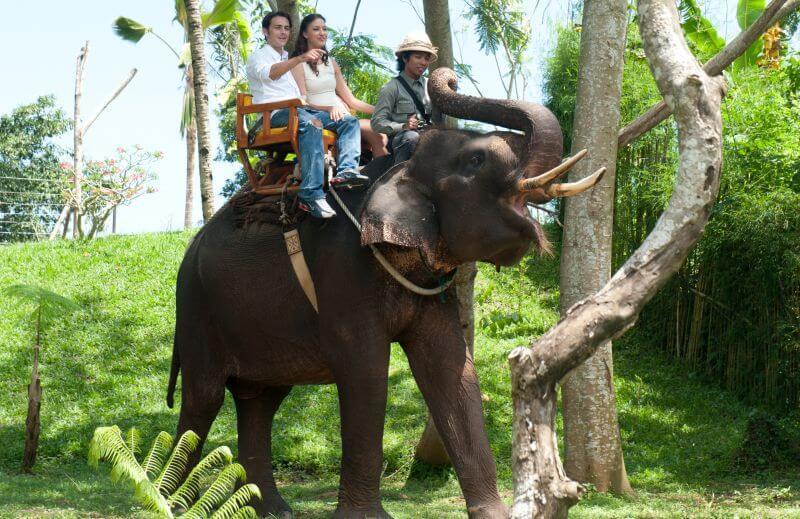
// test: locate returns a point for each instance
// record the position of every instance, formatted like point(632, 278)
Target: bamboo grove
point(732, 314)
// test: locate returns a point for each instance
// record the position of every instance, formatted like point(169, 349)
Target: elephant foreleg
point(445, 374)
point(254, 421)
point(362, 379)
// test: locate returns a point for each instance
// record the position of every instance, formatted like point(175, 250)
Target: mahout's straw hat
point(417, 41)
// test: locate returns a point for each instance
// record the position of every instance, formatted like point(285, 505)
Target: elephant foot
point(376, 512)
point(494, 510)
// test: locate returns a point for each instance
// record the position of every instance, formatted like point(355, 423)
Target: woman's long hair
point(301, 46)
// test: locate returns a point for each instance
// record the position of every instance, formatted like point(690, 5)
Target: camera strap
point(415, 98)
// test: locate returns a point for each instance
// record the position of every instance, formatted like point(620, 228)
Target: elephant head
point(463, 195)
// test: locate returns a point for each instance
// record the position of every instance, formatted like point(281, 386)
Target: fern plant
point(209, 491)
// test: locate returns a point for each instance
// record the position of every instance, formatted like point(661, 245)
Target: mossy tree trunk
point(541, 488)
point(591, 434)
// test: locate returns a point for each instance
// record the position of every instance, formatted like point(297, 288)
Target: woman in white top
point(323, 84)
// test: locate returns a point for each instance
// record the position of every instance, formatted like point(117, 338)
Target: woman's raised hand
point(312, 55)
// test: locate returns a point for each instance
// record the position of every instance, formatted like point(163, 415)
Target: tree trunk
point(591, 434)
point(32, 423)
point(291, 8)
point(541, 489)
point(430, 448)
point(191, 154)
point(77, 144)
point(437, 25)
point(196, 44)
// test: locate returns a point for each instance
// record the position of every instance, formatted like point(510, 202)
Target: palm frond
point(245, 33)
point(187, 113)
point(169, 479)
point(180, 13)
point(237, 502)
point(246, 512)
point(41, 296)
point(107, 444)
point(133, 439)
point(157, 455)
point(130, 30)
point(190, 488)
point(218, 492)
point(185, 57)
point(223, 12)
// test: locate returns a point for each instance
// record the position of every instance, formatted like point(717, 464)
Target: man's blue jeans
point(312, 160)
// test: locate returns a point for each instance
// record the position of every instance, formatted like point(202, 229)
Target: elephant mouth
point(527, 229)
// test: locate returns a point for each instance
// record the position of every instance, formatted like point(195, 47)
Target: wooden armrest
point(269, 107)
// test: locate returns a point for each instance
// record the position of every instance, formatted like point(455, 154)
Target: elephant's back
point(238, 271)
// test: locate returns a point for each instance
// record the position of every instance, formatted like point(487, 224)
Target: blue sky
point(40, 57)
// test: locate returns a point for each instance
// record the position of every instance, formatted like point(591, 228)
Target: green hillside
point(109, 365)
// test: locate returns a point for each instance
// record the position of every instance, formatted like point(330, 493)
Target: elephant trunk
point(541, 147)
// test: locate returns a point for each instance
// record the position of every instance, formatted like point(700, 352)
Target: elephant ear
point(398, 210)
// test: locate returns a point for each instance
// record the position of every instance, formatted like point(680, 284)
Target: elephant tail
point(173, 376)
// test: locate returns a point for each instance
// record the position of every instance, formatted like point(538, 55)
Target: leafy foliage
point(699, 30)
point(110, 183)
point(29, 172)
point(208, 491)
point(680, 434)
point(747, 11)
point(503, 29)
point(732, 311)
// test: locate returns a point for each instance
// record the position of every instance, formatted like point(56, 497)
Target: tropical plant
point(29, 172)
point(110, 183)
point(503, 30)
point(224, 14)
point(47, 306)
point(699, 30)
point(208, 491)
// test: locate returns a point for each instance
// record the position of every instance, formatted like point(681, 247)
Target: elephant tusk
point(528, 184)
point(573, 188)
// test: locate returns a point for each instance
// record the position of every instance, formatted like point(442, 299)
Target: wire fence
point(29, 208)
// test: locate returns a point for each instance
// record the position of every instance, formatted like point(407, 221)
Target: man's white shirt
point(264, 89)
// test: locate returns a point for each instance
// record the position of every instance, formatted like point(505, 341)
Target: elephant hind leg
point(254, 422)
point(201, 400)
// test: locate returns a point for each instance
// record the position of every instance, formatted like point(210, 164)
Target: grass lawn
point(109, 364)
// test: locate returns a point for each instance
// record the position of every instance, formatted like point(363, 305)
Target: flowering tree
point(109, 183)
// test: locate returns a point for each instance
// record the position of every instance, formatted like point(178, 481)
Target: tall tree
point(79, 129)
point(430, 448)
point(540, 486)
point(196, 44)
point(593, 451)
point(30, 177)
point(437, 25)
point(292, 8)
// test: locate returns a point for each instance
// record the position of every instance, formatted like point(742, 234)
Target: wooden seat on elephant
point(269, 175)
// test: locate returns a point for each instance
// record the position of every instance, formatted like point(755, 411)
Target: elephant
point(244, 323)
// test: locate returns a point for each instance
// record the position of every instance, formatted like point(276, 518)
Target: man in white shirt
point(270, 81)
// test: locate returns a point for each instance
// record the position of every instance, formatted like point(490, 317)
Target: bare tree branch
point(353, 24)
point(776, 10)
point(113, 96)
point(77, 141)
point(541, 489)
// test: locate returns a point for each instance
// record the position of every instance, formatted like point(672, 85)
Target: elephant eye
point(476, 160)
